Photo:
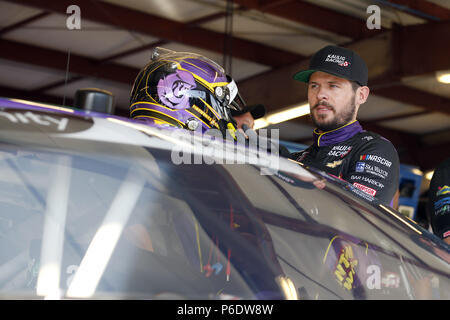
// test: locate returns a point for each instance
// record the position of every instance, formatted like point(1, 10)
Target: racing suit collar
point(337, 135)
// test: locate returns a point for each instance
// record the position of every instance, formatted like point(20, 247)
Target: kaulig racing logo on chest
point(339, 151)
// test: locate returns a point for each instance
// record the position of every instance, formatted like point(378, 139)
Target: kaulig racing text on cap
point(338, 61)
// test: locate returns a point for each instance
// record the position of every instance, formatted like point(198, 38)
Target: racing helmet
point(184, 90)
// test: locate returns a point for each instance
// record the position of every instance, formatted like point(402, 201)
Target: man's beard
point(339, 120)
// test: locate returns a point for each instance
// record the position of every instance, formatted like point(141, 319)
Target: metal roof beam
point(22, 23)
point(408, 95)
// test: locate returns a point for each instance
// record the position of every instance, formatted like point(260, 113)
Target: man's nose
point(322, 93)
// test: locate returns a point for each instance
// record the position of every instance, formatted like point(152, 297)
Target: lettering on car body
point(34, 120)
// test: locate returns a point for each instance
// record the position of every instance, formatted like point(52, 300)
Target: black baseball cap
point(257, 111)
point(338, 61)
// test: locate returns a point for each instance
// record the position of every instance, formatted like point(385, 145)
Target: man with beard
point(245, 118)
point(337, 86)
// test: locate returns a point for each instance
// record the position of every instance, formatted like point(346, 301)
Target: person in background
point(337, 86)
point(245, 123)
point(439, 201)
point(245, 118)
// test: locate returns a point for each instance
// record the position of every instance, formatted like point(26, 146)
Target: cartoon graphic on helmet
point(185, 90)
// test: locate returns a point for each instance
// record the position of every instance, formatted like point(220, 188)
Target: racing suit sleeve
point(375, 168)
point(439, 201)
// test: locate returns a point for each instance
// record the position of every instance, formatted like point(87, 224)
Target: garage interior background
point(261, 43)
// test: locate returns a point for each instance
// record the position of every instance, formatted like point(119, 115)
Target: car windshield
point(82, 218)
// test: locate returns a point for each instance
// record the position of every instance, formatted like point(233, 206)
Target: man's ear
point(362, 93)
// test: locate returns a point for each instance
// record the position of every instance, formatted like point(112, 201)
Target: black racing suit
point(363, 158)
point(439, 200)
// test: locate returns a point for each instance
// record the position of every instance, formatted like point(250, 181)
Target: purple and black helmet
point(184, 90)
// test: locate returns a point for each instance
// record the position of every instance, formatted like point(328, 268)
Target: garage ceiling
point(267, 40)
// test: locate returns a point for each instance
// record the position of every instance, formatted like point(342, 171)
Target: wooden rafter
point(313, 15)
point(165, 29)
point(57, 60)
point(23, 22)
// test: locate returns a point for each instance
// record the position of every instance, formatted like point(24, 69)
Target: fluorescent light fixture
point(282, 116)
point(260, 123)
point(429, 175)
point(288, 114)
point(443, 76)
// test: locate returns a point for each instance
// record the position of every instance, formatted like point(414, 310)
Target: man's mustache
point(323, 103)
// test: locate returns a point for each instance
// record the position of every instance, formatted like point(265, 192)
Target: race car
point(97, 206)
